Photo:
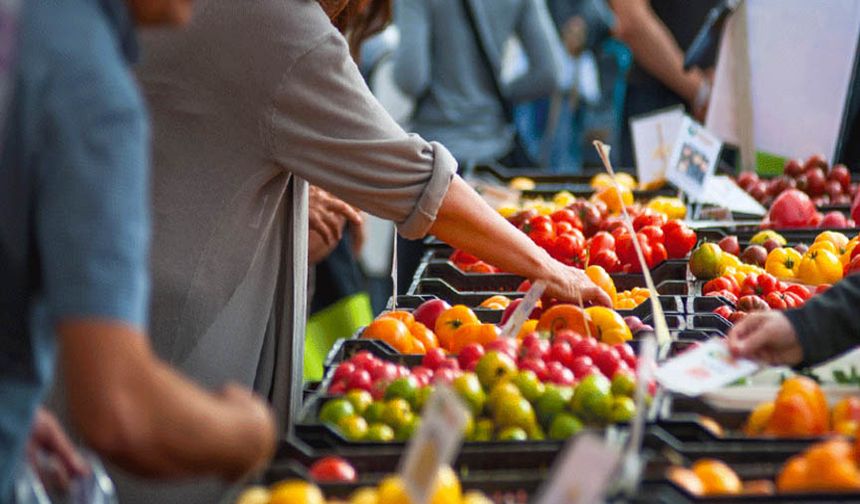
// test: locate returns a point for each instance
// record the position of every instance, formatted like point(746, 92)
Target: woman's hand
point(569, 284)
point(766, 337)
point(327, 215)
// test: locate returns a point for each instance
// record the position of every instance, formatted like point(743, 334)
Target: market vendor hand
point(52, 454)
point(253, 416)
point(767, 337)
point(567, 284)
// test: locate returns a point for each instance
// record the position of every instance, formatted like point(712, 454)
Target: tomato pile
point(825, 185)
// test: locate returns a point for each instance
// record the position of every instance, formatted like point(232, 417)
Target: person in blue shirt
point(74, 236)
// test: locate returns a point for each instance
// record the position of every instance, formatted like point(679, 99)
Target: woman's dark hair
point(358, 20)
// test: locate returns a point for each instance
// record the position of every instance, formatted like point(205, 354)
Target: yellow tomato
point(728, 261)
point(834, 237)
point(364, 495)
point(522, 184)
point(563, 198)
point(762, 236)
point(611, 328)
point(496, 302)
point(601, 278)
point(614, 202)
point(527, 327)
point(783, 262)
point(673, 208)
point(508, 210)
point(601, 180)
point(819, 267)
point(296, 492)
point(824, 245)
point(626, 180)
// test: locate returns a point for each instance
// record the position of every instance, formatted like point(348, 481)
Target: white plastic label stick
point(522, 312)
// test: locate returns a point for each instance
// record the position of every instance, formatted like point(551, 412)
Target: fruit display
point(815, 178)
point(536, 388)
point(447, 489)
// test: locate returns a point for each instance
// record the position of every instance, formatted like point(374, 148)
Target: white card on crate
point(722, 191)
point(521, 313)
point(581, 473)
point(694, 158)
point(704, 369)
point(435, 444)
point(654, 135)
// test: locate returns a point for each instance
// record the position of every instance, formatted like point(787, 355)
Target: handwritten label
point(581, 476)
point(704, 369)
point(435, 444)
point(654, 136)
point(694, 158)
point(522, 312)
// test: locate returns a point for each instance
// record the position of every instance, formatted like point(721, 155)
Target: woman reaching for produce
point(826, 326)
point(248, 95)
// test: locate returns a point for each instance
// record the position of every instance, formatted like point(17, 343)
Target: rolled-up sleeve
point(327, 127)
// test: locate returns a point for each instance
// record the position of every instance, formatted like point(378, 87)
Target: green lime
point(550, 403)
point(353, 427)
point(373, 413)
point(402, 388)
point(623, 409)
point(623, 384)
point(514, 412)
point(529, 384)
point(408, 429)
point(360, 400)
point(333, 411)
point(396, 413)
point(422, 396)
point(563, 426)
point(494, 367)
point(483, 430)
point(468, 387)
point(592, 400)
point(512, 434)
point(379, 432)
point(502, 392)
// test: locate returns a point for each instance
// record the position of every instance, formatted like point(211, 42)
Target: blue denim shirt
point(74, 222)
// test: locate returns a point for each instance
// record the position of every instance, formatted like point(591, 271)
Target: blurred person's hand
point(256, 418)
point(766, 337)
point(358, 232)
point(327, 215)
point(574, 35)
point(702, 99)
point(52, 454)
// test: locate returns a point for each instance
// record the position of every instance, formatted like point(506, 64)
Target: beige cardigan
point(251, 93)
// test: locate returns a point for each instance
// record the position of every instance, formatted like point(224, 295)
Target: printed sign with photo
point(654, 136)
point(694, 158)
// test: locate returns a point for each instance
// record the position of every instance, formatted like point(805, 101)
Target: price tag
point(654, 135)
point(661, 328)
point(522, 312)
point(694, 158)
point(435, 444)
point(721, 190)
point(704, 369)
point(581, 476)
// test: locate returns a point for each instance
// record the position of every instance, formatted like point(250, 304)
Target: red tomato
point(606, 259)
point(567, 215)
point(626, 251)
point(853, 266)
point(619, 231)
point(649, 218)
point(724, 311)
point(654, 234)
point(541, 230)
point(462, 258)
point(793, 300)
point(726, 294)
point(569, 249)
point(600, 241)
point(760, 285)
point(332, 469)
point(722, 283)
point(776, 300)
point(791, 209)
point(658, 254)
point(563, 228)
point(678, 238)
point(823, 287)
point(799, 291)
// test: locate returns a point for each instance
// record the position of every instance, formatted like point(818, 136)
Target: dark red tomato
point(600, 241)
point(332, 469)
point(607, 259)
point(541, 230)
point(678, 239)
point(853, 266)
point(612, 223)
point(726, 294)
point(654, 234)
point(649, 218)
point(724, 311)
point(568, 248)
point(658, 254)
point(563, 228)
point(567, 215)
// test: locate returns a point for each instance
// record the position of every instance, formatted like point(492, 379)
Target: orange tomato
point(831, 466)
point(792, 417)
point(601, 278)
point(793, 477)
point(421, 333)
point(403, 316)
point(391, 331)
point(759, 419)
point(496, 302)
point(814, 396)
point(417, 347)
point(847, 409)
point(565, 316)
point(611, 328)
point(614, 202)
point(711, 425)
point(686, 479)
point(450, 320)
point(717, 477)
point(474, 333)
